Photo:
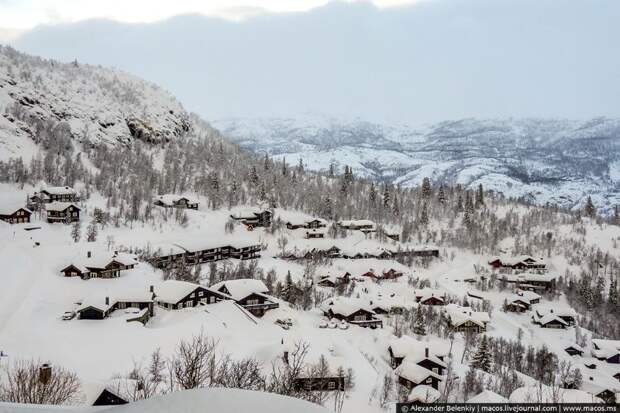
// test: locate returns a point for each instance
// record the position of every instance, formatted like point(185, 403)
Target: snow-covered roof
point(423, 393)
point(172, 291)
point(459, 315)
point(59, 190)
point(166, 248)
point(528, 277)
point(345, 306)
point(59, 206)
point(546, 394)
point(414, 372)
point(245, 212)
point(101, 259)
point(356, 222)
point(542, 311)
point(528, 295)
point(129, 296)
point(548, 318)
point(239, 289)
point(171, 199)
point(488, 396)
point(606, 348)
point(8, 205)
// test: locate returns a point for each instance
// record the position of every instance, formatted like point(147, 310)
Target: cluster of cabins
point(418, 367)
point(176, 201)
point(359, 252)
point(313, 228)
point(101, 265)
point(517, 264)
point(59, 204)
point(531, 281)
point(332, 281)
point(193, 252)
point(250, 294)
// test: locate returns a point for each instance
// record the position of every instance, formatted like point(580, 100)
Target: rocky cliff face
point(94, 105)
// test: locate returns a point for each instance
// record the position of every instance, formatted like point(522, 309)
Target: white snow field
point(34, 295)
point(190, 401)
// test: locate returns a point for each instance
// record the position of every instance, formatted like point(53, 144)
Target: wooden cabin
point(101, 265)
point(251, 294)
point(99, 310)
point(58, 194)
point(253, 218)
point(176, 295)
point(574, 350)
point(351, 310)
point(65, 212)
point(411, 374)
point(12, 215)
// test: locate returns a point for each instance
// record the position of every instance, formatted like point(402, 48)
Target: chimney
point(88, 254)
point(45, 373)
point(107, 301)
point(426, 352)
point(115, 253)
point(285, 357)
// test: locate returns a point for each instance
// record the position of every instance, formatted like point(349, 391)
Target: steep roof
point(172, 291)
point(414, 372)
point(59, 206)
point(59, 190)
point(239, 289)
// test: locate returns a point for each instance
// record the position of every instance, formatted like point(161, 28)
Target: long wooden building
point(198, 252)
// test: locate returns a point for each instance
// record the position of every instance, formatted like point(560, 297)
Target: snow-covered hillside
point(98, 105)
point(543, 160)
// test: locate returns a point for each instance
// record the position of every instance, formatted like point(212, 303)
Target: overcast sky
point(415, 61)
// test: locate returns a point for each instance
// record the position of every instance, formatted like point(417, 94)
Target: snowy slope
point(544, 160)
point(98, 105)
point(192, 401)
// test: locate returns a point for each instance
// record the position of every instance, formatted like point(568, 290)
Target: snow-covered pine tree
point(76, 231)
point(441, 195)
point(426, 188)
point(589, 209)
point(419, 325)
point(482, 360)
point(479, 197)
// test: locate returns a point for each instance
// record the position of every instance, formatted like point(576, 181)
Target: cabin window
point(331, 385)
point(211, 300)
point(201, 293)
point(435, 370)
point(192, 295)
point(252, 301)
point(429, 381)
point(360, 318)
point(188, 304)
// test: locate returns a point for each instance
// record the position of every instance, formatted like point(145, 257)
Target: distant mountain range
point(543, 160)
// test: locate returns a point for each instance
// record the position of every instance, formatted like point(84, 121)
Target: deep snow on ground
point(33, 296)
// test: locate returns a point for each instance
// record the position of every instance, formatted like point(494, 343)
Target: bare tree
point(25, 382)
point(195, 362)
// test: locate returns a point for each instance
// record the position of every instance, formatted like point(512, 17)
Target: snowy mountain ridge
point(98, 105)
point(543, 160)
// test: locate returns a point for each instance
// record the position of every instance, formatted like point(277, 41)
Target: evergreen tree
point(441, 195)
point(91, 232)
point(76, 231)
point(426, 188)
point(613, 294)
point(424, 215)
point(479, 197)
point(589, 210)
point(372, 194)
point(386, 197)
point(482, 360)
point(419, 325)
